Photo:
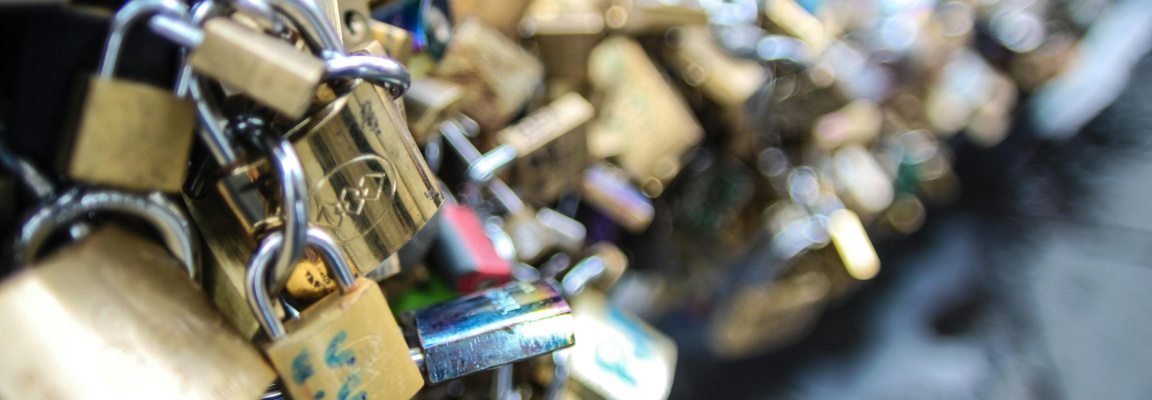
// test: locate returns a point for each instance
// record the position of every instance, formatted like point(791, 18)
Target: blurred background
point(814, 199)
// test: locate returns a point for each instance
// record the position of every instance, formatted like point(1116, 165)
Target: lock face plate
point(368, 183)
point(115, 316)
point(346, 345)
point(132, 135)
point(513, 322)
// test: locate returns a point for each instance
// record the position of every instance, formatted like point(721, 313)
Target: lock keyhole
point(355, 23)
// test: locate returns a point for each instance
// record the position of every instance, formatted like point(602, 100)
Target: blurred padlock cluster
point(473, 198)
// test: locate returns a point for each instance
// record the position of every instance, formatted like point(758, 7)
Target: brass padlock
point(643, 123)
point(270, 71)
point(367, 181)
point(498, 76)
point(639, 17)
point(565, 31)
point(130, 134)
point(115, 315)
point(346, 346)
point(551, 148)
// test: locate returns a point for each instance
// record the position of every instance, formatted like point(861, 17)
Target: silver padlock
point(488, 329)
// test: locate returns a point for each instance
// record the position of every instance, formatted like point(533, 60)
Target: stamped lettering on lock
point(355, 196)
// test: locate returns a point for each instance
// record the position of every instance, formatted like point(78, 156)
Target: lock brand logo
point(354, 196)
point(352, 200)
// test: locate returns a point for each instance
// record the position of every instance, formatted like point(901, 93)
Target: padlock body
point(132, 135)
point(497, 75)
point(346, 345)
point(268, 70)
point(507, 324)
point(114, 316)
point(464, 255)
point(618, 355)
point(551, 148)
point(368, 182)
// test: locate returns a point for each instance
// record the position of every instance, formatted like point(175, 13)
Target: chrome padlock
point(347, 345)
point(488, 329)
point(130, 134)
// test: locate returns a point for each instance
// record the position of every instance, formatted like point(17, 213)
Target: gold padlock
point(270, 71)
point(429, 102)
point(565, 31)
point(132, 135)
point(115, 315)
point(348, 345)
point(551, 148)
point(498, 76)
point(367, 181)
point(643, 123)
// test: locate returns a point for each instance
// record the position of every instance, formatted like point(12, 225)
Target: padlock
point(255, 208)
point(643, 123)
point(347, 345)
point(618, 356)
point(487, 329)
point(639, 17)
point(429, 102)
point(114, 315)
point(498, 76)
point(548, 147)
point(565, 32)
point(396, 41)
point(609, 191)
point(701, 62)
point(463, 254)
point(531, 238)
point(367, 181)
point(270, 71)
point(132, 135)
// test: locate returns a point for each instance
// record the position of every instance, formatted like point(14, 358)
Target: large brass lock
point(346, 346)
point(114, 315)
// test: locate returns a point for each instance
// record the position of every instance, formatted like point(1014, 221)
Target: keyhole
point(355, 23)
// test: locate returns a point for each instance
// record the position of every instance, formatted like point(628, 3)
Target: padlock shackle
point(257, 279)
point(33, 178)
point(294, 191)
point(213, 122)
point(74, 204)
point(379, 71)
point(124, 19)
point(313, 25)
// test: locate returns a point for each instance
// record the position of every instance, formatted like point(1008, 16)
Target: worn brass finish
point(115, 316)
point(344, 346)
point(428, 102)
point(642, 121)
point(270, 71)
point(551, 148)
point(132, 135)
point(368, 183)
point(498, 76)
point(228, 248)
